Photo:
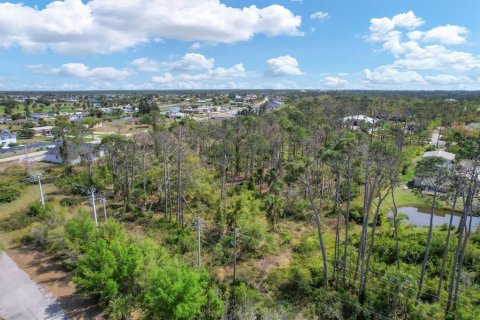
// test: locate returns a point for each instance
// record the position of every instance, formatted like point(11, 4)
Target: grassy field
point(20, 108)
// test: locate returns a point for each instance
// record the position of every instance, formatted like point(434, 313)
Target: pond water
point(420, 217)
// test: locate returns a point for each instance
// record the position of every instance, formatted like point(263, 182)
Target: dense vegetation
point(278, 215)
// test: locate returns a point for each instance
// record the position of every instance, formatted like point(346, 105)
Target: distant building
point(426, 183)
point(440, 153)
point(272, 105)
point(178, 115)
point(43, 131)
point(6, 138)
point(358, 120)
point(38, 116)
point(75, 154)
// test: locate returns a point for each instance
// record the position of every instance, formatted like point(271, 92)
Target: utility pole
point(91, 194)
point(103, 200)
point(28, 161)
point(236, 233)
point(39, 178)
point(199, 226)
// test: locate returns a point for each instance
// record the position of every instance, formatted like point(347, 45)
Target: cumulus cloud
point(235, 71)
point(283, 66)
point(445, 79)
point(319, 15)
point(437, 57)
point(392, 75)
point(380, 27)
point(448, 35)
point(334, 82)
point(220, 73)
point(189, 62)
point(146, 64)
point(416, 51)
point(80, 70)
point(166, 78)
point(103, 26)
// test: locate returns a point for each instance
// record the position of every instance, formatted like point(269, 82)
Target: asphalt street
point(23, 299)
point(19, 149)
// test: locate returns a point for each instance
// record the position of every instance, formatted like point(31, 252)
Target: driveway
point(21, 149)
point(23, 299)
point(34, 156)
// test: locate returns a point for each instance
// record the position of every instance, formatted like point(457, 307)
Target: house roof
point(359, 117)
point(5, 132)
point(74, 151)
point(43, 128)
point(440, 153)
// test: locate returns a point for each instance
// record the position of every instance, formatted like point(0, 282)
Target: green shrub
point(70, 202)
point(16, 221)
point(356, 213)
point(36, 209)
point(306, 245)
point(8, 194)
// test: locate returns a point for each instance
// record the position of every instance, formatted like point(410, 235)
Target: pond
point(420, 217)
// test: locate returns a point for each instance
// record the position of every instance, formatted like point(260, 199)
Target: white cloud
point(196, 45)
point(220, 73)
point(319, 15)
point(145, 64)
point(407, 20)
point(391, 75)
point(421, 51)
point(445, 79)
point(334, 82)
point(189, 62)
point(102, 26)
point(448, 35)
point(437, 57)
point(381, 27)
point(283, 66)
point(192, 61)
point(79, 70)
point(235, 71)
point(166, 78)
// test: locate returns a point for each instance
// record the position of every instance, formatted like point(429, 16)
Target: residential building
point(75, 153)
point(43, 131)
point(450, 157)
point(7, 138)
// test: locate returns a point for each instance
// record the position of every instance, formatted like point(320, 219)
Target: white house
point(356, 120)
point(6, 138)
point(43, 131)
point(440, 153)
point(76, 154)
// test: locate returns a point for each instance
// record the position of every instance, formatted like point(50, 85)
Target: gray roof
point(440, 153)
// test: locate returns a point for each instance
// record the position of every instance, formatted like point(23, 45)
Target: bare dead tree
point(457, 186)
point(433, 173)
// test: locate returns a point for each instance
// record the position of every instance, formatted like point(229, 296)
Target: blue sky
point(213, 44)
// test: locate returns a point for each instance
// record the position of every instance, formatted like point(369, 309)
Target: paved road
point(436, 136)
point(21, 298)
point(21, 149)
point(34, 156)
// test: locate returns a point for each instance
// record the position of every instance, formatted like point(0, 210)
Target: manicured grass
point(409, 198)
point(34, 139)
